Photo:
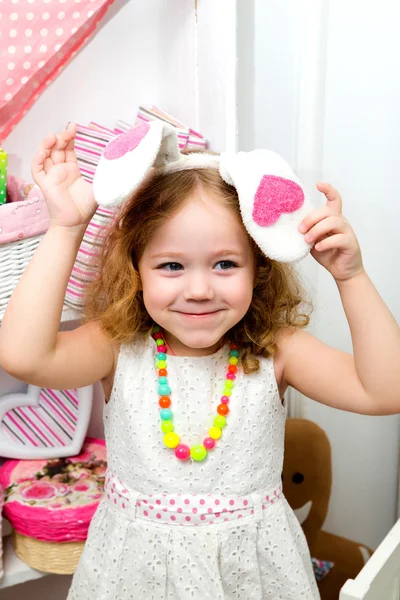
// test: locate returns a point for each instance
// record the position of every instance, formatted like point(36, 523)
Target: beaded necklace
point(198, 452)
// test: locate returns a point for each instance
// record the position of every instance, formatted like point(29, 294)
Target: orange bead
point(222, 409)
point(162, 373)
point(164, 402)
point(232, 368)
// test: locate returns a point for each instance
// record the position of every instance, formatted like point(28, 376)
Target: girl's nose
point(198, 287)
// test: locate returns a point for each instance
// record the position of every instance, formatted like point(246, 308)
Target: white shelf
point(70, 314)
point(15, 571)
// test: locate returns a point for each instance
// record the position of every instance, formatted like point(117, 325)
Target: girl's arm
point(369, 381)
point(31, 347)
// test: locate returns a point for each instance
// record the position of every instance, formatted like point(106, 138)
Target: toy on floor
point(307, 481)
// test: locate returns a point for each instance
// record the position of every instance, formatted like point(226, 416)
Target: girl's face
point(197, 274)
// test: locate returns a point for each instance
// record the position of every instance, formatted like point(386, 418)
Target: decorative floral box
point(50, 504)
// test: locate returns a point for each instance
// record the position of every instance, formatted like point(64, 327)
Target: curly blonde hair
point(114, 298)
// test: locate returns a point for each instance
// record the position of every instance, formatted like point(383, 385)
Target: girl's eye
point(172, 266)
point(225, 265)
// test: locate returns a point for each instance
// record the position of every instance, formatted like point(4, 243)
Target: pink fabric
point(38, 38)
point(186, 509)
point(126, 142)
point(17, 189)
point(275, 196)
point(20, 220)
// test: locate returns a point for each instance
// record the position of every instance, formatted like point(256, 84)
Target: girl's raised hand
point(335, 244)
point(69, 198)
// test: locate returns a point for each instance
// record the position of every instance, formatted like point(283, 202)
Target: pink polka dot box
point(50, 504)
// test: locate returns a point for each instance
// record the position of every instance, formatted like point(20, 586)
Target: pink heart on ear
point(126, 142)
point(274, 196)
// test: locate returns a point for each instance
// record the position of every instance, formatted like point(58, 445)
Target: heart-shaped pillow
point(44, 423)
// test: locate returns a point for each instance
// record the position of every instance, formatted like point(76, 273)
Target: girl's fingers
point(313, 218)
point(334, 242)
point(328, 226)
point(37, 168)
point(334, 200)
point(42, 159)
point(70, 133)
point(64, 147)
point(53, 150)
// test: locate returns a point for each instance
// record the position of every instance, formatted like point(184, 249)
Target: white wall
point(355, 143)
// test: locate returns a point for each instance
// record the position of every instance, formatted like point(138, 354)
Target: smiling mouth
point(205, 314)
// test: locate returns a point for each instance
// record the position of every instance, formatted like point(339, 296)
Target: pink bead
point(164, 349)
point(224, 399)
point(228, 375)
point(209, 443)
point(182, 452)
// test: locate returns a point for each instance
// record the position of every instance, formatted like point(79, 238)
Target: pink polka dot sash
point(188, 509)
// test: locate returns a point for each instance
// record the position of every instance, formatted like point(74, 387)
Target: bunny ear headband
point(271, 197)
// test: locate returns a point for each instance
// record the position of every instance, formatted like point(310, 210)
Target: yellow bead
point(215, 433)
point(226, 392)
point(171, 440)
point(161, 364)
point(233, 360)
point(228, 384)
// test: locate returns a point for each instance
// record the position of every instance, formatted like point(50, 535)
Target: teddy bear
point(307, 482)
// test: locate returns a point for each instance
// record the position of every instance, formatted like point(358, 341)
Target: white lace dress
point(184, 530)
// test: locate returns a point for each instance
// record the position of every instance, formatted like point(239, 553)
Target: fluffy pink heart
point(126, 142)
point(275, 196)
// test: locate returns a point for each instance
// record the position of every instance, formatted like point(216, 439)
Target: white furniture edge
point(15, 571)
point(380, 577)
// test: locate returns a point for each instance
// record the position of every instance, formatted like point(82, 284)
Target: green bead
point(160, 342)
point(165, 414)
point(228, 383)
point(198, 452)
point(156, 328)
point(162, 356)
point(220, 421)
point(234, 352)
point(164, 389)
point(161, 364)
point(167, 426)
point(226, 392)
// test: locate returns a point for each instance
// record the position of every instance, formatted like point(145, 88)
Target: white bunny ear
point(272, 202)
point(129, 157)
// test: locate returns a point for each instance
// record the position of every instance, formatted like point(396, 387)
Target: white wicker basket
point(14, 258)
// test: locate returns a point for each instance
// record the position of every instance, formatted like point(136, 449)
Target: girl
point(188, 315)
